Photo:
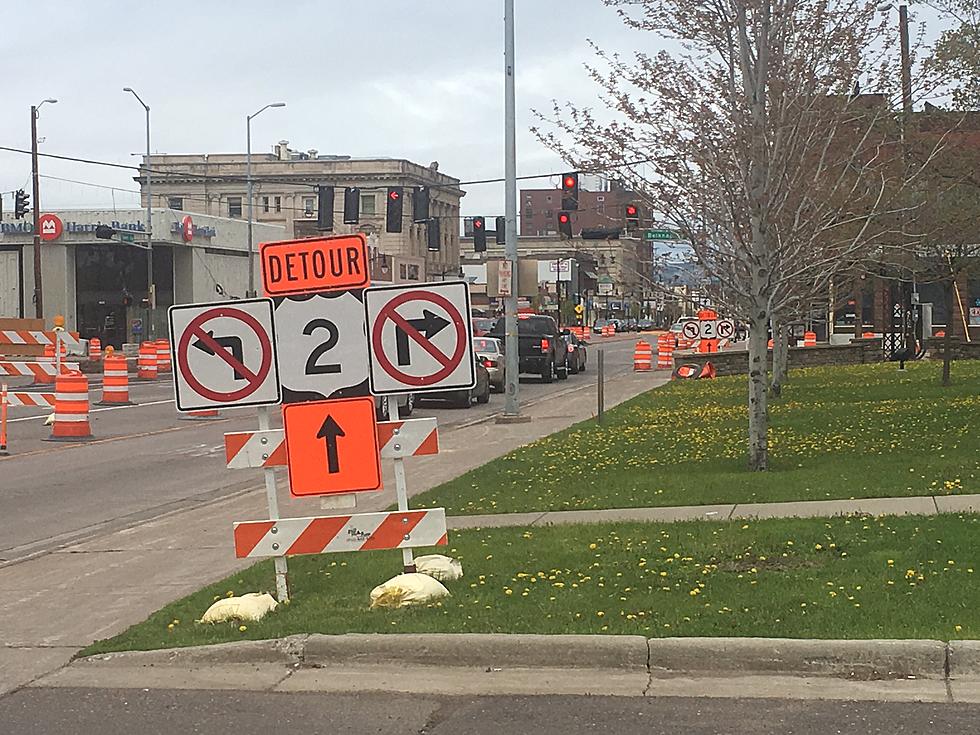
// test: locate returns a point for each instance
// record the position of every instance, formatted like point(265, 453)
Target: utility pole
point(250, 292)
point(150, 291)
point(512, 410)
point(38, 297)
point(903, 22)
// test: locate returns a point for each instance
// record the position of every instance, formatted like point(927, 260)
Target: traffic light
point(569, 191)
point(21, 204)
point(501, 230)
point(420, 205)
point(632, 216)
point(324, 208)
point(565, 225)
point(393, 213)
point(352, 205)
point(432, 234)
point(480, 234)
point(104, 232)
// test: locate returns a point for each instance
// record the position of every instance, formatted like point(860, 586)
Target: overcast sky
point(421, 80)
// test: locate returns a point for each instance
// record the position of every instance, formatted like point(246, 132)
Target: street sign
point(224, 354)
point(505, 278)
point(725, 328)
point(419, 338)
point(332, 446)
point(691, 330)
point(310, 266)
point(322, 346)
point(659, 235)
point(579, 309)
point(708, 328)
point(127, 237)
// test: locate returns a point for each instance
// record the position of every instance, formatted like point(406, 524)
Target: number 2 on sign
point(312, 366)
point(707, 329)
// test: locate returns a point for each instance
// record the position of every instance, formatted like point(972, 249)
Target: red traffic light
point(631, 210)
point(478, 223)
point(563, 218)
point(570, 182)
point(394, 195)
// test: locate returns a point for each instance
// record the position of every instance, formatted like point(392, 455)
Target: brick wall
point(960, 349)
point(736, 362)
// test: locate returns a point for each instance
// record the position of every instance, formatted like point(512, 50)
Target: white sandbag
point(437, 566)
point(251, 606)
point(407, 589)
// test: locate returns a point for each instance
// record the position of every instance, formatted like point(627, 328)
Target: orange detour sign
point(315, 265)
point(332, 446)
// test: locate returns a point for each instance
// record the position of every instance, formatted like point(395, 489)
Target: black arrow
point(429, 326)
point(232, 344)
point(329, 432)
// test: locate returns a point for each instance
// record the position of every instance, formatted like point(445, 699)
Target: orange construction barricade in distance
point(71, 408)
point(642, 356)
point(115, 379)
point(809, 339)
point(95, 349)
point(163, 356)
point(146, 362)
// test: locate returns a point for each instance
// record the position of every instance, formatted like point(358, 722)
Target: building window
point(278, 203)
point(368, 204)
point(234, 206)
point(308, 206)
point(402, 271)
point(175, 202)
point(265, 204)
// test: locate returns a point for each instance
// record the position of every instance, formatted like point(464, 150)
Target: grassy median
point(844, 577)
point(845, 432)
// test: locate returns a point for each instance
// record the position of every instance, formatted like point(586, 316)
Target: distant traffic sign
point(419, 338)
point(579, 309)
point(725, 329)
point(659, 235)
point(322, 346)
point(708, 328)
point(691, 330)
point(224, 354)
point(332, 446)
point(307, 266)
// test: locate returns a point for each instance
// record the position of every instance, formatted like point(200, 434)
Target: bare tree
point(761, 153)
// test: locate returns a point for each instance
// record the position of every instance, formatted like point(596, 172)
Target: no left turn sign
point(419, 338)
point(224, 354)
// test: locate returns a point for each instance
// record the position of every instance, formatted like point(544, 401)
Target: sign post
point(401, 489)
point(272, 498)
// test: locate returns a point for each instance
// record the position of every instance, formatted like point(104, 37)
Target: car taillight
point(545, 344)
point(489, 363)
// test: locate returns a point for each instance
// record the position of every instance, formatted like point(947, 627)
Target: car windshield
point(527, 325)
point(480, 344)
point(484, 323)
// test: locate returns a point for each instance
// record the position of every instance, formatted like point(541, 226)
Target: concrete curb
point(661, 657)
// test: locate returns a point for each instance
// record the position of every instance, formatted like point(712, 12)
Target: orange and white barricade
point(146, 362)
point(608, 331)
point(163, 356)
point(665, 351)
point(71, 408)
point(809, 339)
point(47, 376)
point(642, 357)
point(115, 380)
point(95, 349)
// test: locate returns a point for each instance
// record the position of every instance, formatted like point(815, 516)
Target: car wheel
point(465, 400)
point(563, 372)
point(484, 397)
point(581, 368)
point(548, 374)
point(574, 369)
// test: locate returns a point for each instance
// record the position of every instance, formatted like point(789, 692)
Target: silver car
point(491, 354)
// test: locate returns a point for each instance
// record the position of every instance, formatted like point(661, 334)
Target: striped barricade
point(255, 449)
point(41, 371)
point(34, 338)
point(26, 399)
point(410, 438)
point(328, 534)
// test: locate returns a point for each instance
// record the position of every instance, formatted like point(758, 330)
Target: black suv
point(541, 348)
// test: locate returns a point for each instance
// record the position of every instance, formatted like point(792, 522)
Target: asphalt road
point(164, 712)
point(145, 461)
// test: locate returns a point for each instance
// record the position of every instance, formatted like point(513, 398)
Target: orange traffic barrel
point(809, 339)
point(608, 331)
point(146, 361)
point(95, 349)
point(71, 408)
point(642, 356)
point(665, 351)
point(163, 356)
point(115, 380)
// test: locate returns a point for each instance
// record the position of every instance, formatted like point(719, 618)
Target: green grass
point(844, 577)
point(846, 432)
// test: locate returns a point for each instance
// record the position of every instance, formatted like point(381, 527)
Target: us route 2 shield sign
point(322, 346)
point(419, 338)
point(224, 354)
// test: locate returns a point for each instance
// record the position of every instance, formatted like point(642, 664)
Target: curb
point(660, 657)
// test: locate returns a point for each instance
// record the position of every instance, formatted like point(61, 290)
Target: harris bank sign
point(53, 227)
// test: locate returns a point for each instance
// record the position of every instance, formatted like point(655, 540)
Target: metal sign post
point(282, 570)
point(401, 486)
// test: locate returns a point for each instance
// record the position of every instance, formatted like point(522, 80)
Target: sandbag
point(440, 567)
point(406, 590)
point(251, 606)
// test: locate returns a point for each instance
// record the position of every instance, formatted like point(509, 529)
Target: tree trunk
point(758, 406)
point(947, 339)
point(780, 358)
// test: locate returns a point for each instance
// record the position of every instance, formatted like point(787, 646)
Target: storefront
point(101, 285)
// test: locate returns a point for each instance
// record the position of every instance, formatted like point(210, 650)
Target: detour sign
point(316, 265)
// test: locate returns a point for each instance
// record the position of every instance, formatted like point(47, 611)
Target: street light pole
point(35, 178)
point(150, 291)
point(512, 397)
point(250, 291)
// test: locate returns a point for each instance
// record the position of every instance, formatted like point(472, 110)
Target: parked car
point(600, 323)
point(645, 325)
point(577, 355)
point(482, 325)
point(406, 404)
point(490, 351)
point(541, 348)
point(464, 398)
